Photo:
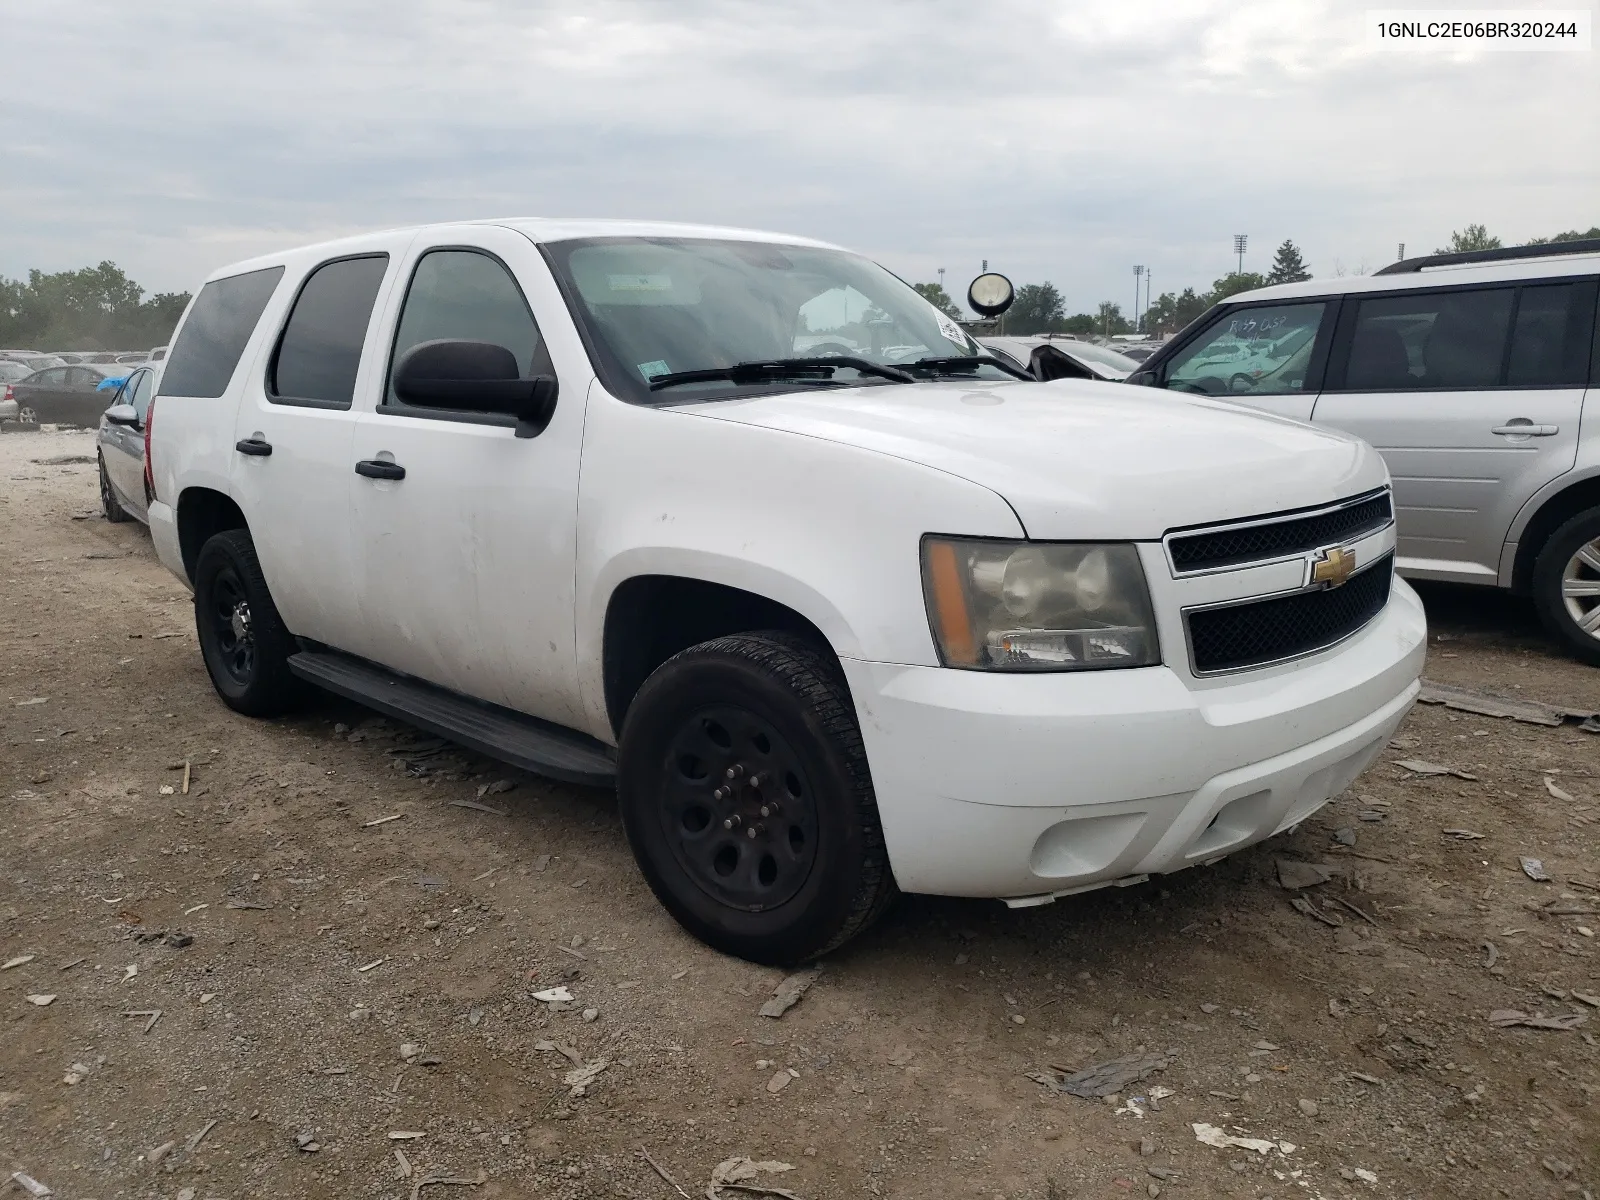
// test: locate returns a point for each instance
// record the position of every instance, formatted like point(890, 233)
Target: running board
point(523, 741)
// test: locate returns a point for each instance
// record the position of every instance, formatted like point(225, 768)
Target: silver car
point(1063, 358)
point(123, 492)
point(1476, 375)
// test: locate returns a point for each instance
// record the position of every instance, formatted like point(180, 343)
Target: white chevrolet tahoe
point(739, 524)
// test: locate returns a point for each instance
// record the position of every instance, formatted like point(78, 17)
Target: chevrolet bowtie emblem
point(1333, 566)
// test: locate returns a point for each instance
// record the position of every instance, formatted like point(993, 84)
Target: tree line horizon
point(100, 308)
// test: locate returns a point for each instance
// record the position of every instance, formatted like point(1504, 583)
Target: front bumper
point(1037, 785)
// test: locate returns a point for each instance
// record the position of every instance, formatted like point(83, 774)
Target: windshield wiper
point(963, 362)
point(775, 369)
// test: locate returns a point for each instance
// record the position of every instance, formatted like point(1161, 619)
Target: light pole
point(941, 279)
point(1402, 252)
point(1149, 280)
point(1138, 275)
point(1239, 240)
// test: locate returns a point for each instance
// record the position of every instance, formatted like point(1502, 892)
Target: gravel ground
point(327, 980)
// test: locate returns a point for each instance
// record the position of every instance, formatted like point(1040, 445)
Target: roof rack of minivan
point(1544, 250)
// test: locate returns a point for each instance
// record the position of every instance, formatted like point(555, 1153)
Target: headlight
point(1038, 606)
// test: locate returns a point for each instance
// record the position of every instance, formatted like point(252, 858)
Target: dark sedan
point(63, 395)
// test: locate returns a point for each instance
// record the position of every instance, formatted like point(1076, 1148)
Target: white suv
point(1477, 375)
point(648, 505)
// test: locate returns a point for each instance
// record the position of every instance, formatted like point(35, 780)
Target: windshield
point(653, 307)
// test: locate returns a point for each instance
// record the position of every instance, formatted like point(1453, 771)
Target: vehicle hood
point(1083, 460)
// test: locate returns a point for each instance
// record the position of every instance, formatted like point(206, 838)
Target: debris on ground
point(743, 1177)
point(1345, 836)
point(663, 1172)
point(1464, 835)
point(579, 1078)
point(1485, 704)
point(1103, 1079)
point(306, 1140)
point(1533, 868)
point(477, 1180)
point(566, 1052)
point(30, 1185)
point(778, 1082)
point(20, 960)
point(555, 995)
point(1210, 1135)
point(1556, 792)
point(41, 999)
point(787, 994)
point(1292, 875)
point(496, 788)
point(1420, 766)
point(1301, 904)
point(1506, 1018)
point(479, 807)
point(152, 1014)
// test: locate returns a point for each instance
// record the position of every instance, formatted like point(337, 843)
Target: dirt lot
point(324, 941)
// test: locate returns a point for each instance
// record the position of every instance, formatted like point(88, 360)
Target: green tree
point(1235, 282)
point(1473, 237)
point(1571, 235)
point(1109, 319)
point(1038, 308)
point(1170, 312)
point(1287, 265)
point(95, 308)
point(935, 295)
point(1081, 324)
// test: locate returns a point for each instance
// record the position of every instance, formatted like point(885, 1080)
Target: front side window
point(1435, 340)
point(653, 308)
point(139, 396)
point(1263, 350)
point(467, 295)
point(215, 333)
point(320, 350)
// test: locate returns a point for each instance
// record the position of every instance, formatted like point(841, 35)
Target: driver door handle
point(254, 446)
point(376, 468)
point(1526, 429)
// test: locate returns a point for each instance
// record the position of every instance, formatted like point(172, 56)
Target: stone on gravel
point(1294, 875)
point(1533, 868)
point(788, 993)
point(1309, 1108)
point(1110, 1077)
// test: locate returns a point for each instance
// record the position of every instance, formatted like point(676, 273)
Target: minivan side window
point(466, 294)
point(1434, 340)
point(1260, 350)
point(215, 333)
point(1551, 335)
point(320, 350)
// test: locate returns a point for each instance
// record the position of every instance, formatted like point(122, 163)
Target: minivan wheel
point(109, 504)
point(746, 797)
point(242, 639)
point(1566, 585)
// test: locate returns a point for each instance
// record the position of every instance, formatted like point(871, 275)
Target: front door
point(1473, 397)
point(123, 445)
point(293, 436)
point(465, 532)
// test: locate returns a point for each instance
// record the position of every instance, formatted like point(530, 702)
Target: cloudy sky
point(1060, 139)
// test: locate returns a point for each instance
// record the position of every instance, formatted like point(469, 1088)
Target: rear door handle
point(1526, 429)
point(254, 446)
point(376, 468)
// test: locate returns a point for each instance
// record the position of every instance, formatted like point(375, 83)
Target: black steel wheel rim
point(738, 808)
point(229, 617)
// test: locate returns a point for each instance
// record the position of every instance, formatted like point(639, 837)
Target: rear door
point(1473, 395)
point(1268, 355)
point(293, 433)
point(464, 566)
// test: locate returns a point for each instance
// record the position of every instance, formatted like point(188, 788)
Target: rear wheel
point(746, 797)
point(242, 639)
point(109, 504)
point(1566, 585)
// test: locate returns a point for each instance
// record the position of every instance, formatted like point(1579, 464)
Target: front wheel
point(1566, 585)
point(242, 638)
point(746, 797)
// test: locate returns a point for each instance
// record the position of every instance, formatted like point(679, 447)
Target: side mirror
point(123, 414)
point(469, 376)
point(990, 294)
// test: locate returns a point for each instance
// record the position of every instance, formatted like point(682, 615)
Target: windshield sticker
point(950, 329)
point(639, 283)
point(651, 369)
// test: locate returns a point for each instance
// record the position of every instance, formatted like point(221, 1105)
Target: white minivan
point(740, 525)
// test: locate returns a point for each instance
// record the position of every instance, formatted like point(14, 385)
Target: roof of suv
point(1556, 265)
point(538, 229)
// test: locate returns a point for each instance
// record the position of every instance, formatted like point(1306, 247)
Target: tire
point(109, 504)
point(1566, 585)
point(242, 638)
point(807, 877)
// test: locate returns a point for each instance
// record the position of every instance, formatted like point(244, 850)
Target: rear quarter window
point(215, 333)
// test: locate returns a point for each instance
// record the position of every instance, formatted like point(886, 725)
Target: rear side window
point(1550, 337)
point(470, 295)
point(1262, 350)
point(320, 350)
point(1450, 340)
point(214, 336)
